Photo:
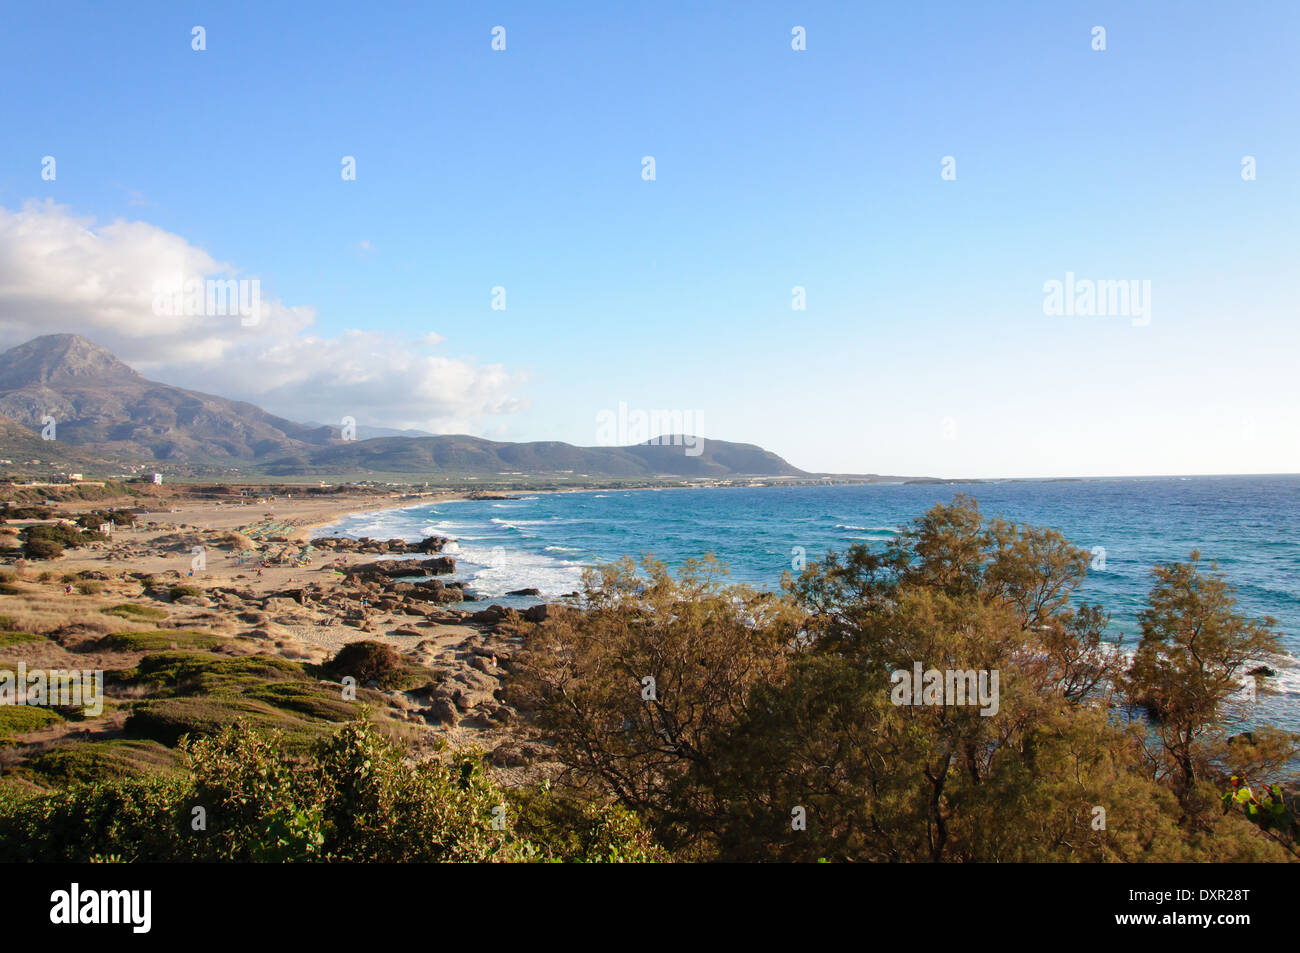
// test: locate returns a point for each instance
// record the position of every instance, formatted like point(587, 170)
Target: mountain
point(20, 445)
point(97, 400)
point(462, 455)
point(365, 431)
point(60, 359)
point(104, 407)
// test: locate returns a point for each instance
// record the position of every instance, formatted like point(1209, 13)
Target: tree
point(1189, 672)
point(638, 690)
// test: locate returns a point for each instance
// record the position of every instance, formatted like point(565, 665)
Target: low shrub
point(39, 548)
point(21, 719)
point(129, 610)
point(368, 661)
point(160, 640)
point(9, 637)
point(100, 761)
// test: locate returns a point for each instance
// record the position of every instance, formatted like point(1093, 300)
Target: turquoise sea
point(1249, 525)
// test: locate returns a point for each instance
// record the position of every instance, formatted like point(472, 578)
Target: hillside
point(465, 455)
point(97, 401)
point(105, 408)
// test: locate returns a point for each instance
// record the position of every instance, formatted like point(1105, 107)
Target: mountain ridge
point(103, 405)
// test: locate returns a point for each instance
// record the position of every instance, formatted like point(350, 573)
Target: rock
point(489, 616)
point(512, 754)
point(344, 544)
point(469, 690)
point(1262, 671)
point(439, 565)
point(524, 592)
point(394, 568)
point(545, 611)
point(442, 711)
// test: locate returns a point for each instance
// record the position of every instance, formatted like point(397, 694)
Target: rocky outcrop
point(399, 568)
point(386, 547)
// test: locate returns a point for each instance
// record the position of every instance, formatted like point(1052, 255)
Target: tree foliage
point(775, 735)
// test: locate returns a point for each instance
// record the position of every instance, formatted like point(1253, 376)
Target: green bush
point(26, 512)
point(99, 761)
point(21, 719)
point(368, 661)
point(128, 610)
point(160, 640)
point(62, 533)
point(167, 720)
point(9, 637)
point(180, 592)
point(40, 548)
point(138, 819)
point(93, 519)
point(353, 798)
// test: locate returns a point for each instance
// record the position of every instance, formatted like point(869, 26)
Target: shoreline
point(255, 594)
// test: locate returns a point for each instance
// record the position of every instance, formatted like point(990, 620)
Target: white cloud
point(60, 273)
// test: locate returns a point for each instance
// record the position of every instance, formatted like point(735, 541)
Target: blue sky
point(924, 348)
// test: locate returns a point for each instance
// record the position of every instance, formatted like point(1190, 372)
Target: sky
point(924, 346)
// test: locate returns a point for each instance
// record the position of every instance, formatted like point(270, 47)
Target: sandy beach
point(245, 570)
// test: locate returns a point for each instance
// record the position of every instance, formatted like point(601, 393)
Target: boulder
point(489, 616)
point(545, 611)
point(442, 711)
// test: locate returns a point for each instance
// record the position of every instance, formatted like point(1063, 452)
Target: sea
point(1248, 525)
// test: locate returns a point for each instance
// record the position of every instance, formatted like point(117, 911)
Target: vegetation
point(129, 610)
point(159, 640)
point(699, 720)
point(22, 719)
point(49, 540)
point(93, 519)
point(9, 637)
point(774, 731)
point(101, 761)
point(377, 663)
point(40, 548)
point(352, 798)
